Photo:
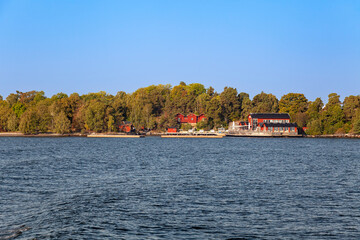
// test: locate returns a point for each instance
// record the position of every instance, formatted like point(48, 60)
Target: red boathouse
point(172, 129)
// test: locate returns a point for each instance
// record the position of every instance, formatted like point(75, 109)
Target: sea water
point(153, 188)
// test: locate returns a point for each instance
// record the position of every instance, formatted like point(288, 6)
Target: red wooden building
point(172, 129)
point(255, 118)
point(278, 127)
point(272, 122)
point(191, 118)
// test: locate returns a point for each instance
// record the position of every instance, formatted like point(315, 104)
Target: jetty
point(261, 134)
point(114, 136)
point(184, 135)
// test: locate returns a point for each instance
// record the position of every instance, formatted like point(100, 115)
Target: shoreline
point(333, 136)
point(116, 135)
point(53, 135)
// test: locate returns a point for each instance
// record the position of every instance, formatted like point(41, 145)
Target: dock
point(191, 136)
point(262, 134)
point(114, 136)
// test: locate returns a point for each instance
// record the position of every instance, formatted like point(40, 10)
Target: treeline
point(155, 107)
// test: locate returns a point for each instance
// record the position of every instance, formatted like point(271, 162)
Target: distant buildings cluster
point(266, 122)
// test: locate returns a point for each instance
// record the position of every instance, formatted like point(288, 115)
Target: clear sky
point(310, 47)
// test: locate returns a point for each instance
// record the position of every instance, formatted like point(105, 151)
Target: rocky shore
point(334, 136)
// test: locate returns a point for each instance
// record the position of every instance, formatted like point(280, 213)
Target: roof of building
point(126, 123)
point(270, 115)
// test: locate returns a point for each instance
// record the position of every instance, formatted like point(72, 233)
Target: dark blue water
point(153, 188)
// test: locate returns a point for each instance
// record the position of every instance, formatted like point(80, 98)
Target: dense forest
point(154, 108)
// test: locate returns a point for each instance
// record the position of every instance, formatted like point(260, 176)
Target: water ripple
point(153, 188)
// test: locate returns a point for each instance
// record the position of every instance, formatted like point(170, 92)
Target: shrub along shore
point(154, 108)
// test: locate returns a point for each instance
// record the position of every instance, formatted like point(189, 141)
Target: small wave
point(13, 233)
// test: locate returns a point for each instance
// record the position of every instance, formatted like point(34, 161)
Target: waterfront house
point(191, 118)
point(255, 118)
point(272, 122)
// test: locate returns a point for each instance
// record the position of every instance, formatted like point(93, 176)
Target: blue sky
point(311, 47)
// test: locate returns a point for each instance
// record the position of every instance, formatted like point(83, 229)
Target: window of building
point(292, 129)
point(281, 129)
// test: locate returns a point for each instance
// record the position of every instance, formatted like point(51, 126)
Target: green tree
point(186, 126)
point(265, 103)
point(29, 122)
point(356, 128)
point(333, 115)
point(121, 108)
point(231, 108)
point(61, 123)
point(79, 119)
point(18, 108)
point(356, 122)
point(214, 113)
point(203, 125)
point(73, 104)
point(293, 103)
point(314, 109)
point(246, 105)
point(45, 118)
point(315, 127)
point(147, 104)
point(95, 116)
point(111, 124)
point(296, 105)
point(12, 98)
point(12, 123)
point(201, 103)
point(351, 104)
point(4, 115)
point(28, 97)
point(210, 91)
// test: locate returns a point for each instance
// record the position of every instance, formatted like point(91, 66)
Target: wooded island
point(155, 107)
